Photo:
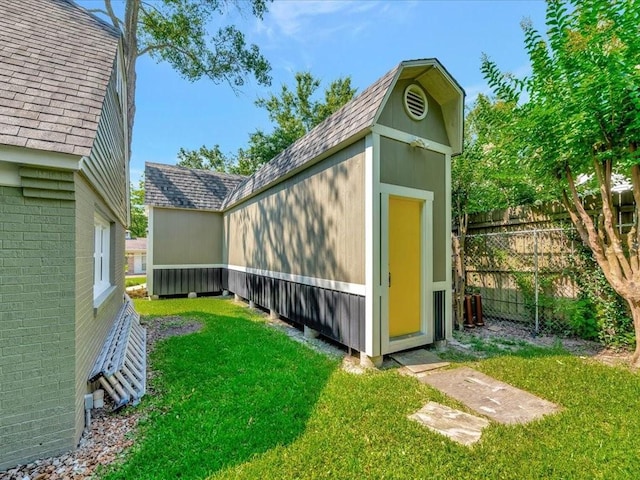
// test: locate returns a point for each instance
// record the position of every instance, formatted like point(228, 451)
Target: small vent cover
point(415, 102)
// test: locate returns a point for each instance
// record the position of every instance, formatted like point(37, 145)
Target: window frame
point(102, 279)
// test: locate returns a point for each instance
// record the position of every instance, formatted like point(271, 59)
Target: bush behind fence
point(537, 274)
point(524, 277)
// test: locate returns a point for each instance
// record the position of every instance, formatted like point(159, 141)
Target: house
point(63, 211)
point(346, 232)
point(136, 252)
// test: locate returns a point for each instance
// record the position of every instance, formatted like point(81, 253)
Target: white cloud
point(307, 19)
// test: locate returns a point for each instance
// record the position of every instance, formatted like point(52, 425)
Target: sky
point(361, 38)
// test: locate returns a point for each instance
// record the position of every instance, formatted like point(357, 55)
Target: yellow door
point(404, 266)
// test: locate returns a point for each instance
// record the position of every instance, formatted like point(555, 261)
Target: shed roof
point(352, 119)
point(55, 63)
point(350, 122)
point(181, 187)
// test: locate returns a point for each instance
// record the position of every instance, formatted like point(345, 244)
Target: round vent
point(415, 102)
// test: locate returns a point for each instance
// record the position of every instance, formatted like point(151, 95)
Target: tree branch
point(151, 48)
point(117, 23)
point(587, 230)
point(633, 237)
point(615, 244)
point(575, 218)
point(98, 10)
point(147, 4)
point(205, 71)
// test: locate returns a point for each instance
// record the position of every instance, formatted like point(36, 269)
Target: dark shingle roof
point(352, 119)
point(55, 63)
point(180, 187)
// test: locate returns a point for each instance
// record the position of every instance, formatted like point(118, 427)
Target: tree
point(294, 113)
point(578, 113)
point(176, 31)
point(480, 182)
point(138, 224)
point(204, 158)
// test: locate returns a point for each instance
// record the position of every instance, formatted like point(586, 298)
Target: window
point(144, 263)
point(101, 269)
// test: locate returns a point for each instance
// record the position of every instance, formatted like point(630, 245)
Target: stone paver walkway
point(497, 400)
point(418, 361)
point(458, 426)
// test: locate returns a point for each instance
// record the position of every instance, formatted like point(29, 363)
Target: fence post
point(535, 277)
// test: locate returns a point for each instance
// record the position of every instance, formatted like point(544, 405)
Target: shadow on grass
point(232, 391)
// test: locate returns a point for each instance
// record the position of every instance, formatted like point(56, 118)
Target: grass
point(132, 281)
point(242, 401)
point(496, 346)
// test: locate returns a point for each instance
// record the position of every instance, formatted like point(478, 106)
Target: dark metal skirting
point(336, 315)
point(439, 315)
point(181, 281)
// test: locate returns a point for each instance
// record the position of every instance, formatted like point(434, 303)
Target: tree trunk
point(130, 34)
point(620, 266)
point(634, 306)
point(460, 269)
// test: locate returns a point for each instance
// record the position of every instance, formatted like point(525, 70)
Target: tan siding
point(91, 329)
point(311, 224)
point(411, 167)
point(394, 115)
point(184, 237)
point(106, 167)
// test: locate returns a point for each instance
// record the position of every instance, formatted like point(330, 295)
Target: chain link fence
point(524, 277)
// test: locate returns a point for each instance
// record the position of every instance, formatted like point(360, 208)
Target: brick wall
point(37, 329)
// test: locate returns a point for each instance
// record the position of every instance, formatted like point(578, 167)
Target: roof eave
point(40, 157)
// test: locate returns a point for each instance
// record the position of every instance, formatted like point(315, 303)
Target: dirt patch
point(517, 333)
point(159, 328)
point(110, 433)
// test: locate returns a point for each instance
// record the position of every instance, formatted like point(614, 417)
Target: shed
point(347, 231)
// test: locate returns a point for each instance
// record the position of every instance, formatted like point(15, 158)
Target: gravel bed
point(110, 433)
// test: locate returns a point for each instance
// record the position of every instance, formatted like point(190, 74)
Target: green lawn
point(131, 281)
point(240, 400)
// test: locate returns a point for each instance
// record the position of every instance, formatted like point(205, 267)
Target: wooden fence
point(523, 262)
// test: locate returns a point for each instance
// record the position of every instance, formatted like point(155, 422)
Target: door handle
point(389, 279)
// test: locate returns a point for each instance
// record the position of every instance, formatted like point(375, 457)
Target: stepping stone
point(499, 401)
point(419, 360)
point(458, 426)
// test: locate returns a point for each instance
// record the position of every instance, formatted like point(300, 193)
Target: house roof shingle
point(135, 244)
point(180, 187)
point(55, 63)
point(350, 120)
